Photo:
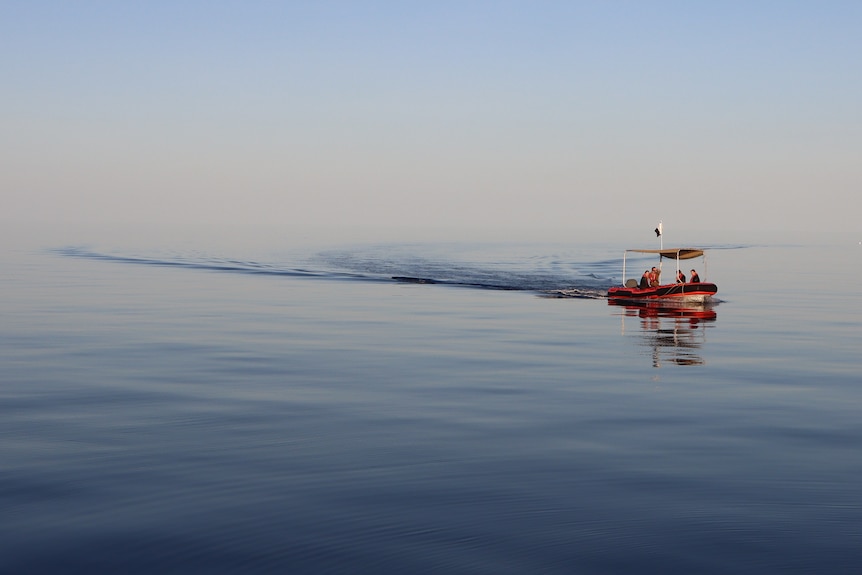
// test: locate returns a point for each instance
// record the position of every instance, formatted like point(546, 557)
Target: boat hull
point(700, 292)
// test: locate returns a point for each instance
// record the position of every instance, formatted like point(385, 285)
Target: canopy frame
point(671, 253)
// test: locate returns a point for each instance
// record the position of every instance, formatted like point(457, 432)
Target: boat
point(667, 293)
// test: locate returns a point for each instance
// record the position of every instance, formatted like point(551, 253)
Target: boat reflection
point(673, 334)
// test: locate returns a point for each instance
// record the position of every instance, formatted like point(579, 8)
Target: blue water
point(295, 409)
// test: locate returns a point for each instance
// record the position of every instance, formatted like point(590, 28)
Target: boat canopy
point(674, 253)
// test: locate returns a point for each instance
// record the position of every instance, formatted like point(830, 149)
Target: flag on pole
point(658, 230)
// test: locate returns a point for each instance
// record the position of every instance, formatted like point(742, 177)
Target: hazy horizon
point(443, 117)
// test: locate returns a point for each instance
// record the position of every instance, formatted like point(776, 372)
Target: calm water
point(169, 409)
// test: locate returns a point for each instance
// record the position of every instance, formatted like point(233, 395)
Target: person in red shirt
point(645, 279)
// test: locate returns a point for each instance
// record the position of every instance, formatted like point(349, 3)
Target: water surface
point(225, 410)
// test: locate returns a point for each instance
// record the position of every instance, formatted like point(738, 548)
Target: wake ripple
point(198, 263)
point(547, 276)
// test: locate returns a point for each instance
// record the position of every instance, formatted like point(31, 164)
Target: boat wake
point(478, 267)
point(481, 267)
point(193, 262)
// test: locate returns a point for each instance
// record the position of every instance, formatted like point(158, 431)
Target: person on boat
point(645, 279)
point(694, 277)
point(680, 277)
point(655, 274)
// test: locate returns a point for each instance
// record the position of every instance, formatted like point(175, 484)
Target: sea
point(297, 404)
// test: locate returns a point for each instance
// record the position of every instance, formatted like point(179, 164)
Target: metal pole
point(624, 268)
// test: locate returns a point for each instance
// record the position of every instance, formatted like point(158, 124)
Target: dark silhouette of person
point(694, 277)
point(680, 277)
point(644, 280)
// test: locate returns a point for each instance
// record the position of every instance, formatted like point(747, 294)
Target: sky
point(444, 116)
